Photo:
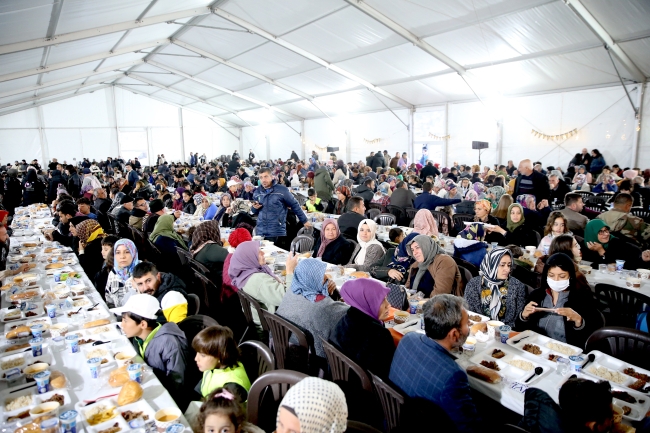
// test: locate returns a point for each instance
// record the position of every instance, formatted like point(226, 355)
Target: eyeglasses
point(603, 231)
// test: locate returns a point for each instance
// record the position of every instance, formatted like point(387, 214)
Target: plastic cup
point(95, 367)
point(175, 428)
point(50, 425)
point(619, 265)
point(37, 346)
point(37, 331)
point(42, 381)
point(611, 268)
point(72, 342)
point(576, 362)
point(413, 306)
point(57, 276)
point(602, 269)
point(59, 343)
point(135, 372)
point(563, 366)
point(504, 332)
point(69, 421)
point(51, 311)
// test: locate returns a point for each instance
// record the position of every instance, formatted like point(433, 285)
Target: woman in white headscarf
point(369, 250)
point(313, 405)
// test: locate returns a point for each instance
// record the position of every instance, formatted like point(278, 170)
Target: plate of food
point(11, 314)
point(26, 294)
point(510, 364)
point(541, 346)
point(618, 372)
point(23, 361)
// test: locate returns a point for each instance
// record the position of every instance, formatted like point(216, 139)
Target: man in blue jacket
point(426, 200)
point(423, 366)
point(132, 176)
point(270, 203)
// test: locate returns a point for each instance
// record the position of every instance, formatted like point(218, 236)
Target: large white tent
point(534, 78)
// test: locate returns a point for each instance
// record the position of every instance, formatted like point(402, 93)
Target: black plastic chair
point(530, 278)
point(257, 359)
point(443, 220)
point(626, 344)
point(286, 353)
point(265, 396)
point(465, 275)
point(380, 207)
point(641, 213)
point(467, 265)
point(193, 304)
point(341, 366)
point(399, 213)
point(391, 401)
point(410, 212)
point(359, 427)
point(302, 244)
point(183, 255)
point(460, 219)
point(247, 304)
point(509, 428)
point(623, 304)
point(386, 219)
point(372, 213)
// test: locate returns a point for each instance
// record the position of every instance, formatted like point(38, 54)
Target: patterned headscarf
point(198, 199)
point(424, 224)
point(308, 279)
point(165, 227)
point(324, 242)
point(450, 184)
point(206, 233)
point(319, 405)
point(244, 263)
point(384, 188)
point(498, 191)
point(88, 231)
point(498, 288)
point(485, 205)
point(473, 232)
point(440, 184)
point(479, 187)
point(471, 195)
point(125, 273)
point(511, 226)
point(430, 249)
point(524, 199)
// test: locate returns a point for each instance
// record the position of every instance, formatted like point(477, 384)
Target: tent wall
point(89, 126)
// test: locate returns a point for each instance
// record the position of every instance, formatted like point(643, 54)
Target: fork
point(89, 402)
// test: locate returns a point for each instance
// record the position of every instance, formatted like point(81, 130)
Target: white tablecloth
point(599, 277)
point(81, 386)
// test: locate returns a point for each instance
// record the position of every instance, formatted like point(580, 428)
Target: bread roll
point(485, 374)
point(57, 379)
point(360, 274)
point(21, 331)
point(480, 326)
point(118, 377)
point(130, 393)
point(94, 323)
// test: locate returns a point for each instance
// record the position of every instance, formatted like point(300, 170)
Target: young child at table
point(396, 235)
point(217, 356)
point(314, 204)
point(223, 411)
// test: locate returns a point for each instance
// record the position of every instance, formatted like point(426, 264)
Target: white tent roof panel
point(302, 108)
point(168, 6)
point(269, 93)
point(137, 85)
point(88, 14)
point(197, 89)
point(227, 77)
point(82, 48)
point(621, 17)
point(274, 61)
point(281, 16)
point(451, 86)
point(20, 83)
point(639, 51)
point(175, 97)
point(179, 59)
point(353, 101)
point(416, 92)
point(233, 102)
point(23, 20)
point(148, 34)
point(319, 81)
point(205, 108)
point(349, 34)
point(84, 68)
point(20, 61)
point(118, 60)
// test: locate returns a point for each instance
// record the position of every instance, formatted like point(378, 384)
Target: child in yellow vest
point(314, 203)
point(217, 356)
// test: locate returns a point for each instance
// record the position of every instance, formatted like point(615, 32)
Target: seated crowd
point(119, 218)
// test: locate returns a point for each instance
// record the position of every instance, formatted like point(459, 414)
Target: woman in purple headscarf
point(249, 272)
point(178, 199)
point(360, 334)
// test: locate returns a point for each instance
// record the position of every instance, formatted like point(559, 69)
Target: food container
point(37, 346)
point(413, 306)
point(123, 357)
point(94, 364)
point(611, 268)
point(175, 428)
point(32, 370)
point(633, 282)
point(37, 331)
point(49, 408)
point(166, 417)
point(504, 332)
point(42, 382)
point(644, 273)
point(51, 311)
point(586, 270)
point(400, 316)
point(50, 425)
point(619, 265)
point(493, 328)
point(60, 329)
point(69, 421)
point(576, 362)
point(72, 342)
point(135, 372)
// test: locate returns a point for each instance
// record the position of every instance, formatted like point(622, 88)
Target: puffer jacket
point(271, 218)
point(470, 250)
point(172, 307)
point(323, 184)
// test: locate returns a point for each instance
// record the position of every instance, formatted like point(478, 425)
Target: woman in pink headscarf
point(332, 247)
point(424, 224)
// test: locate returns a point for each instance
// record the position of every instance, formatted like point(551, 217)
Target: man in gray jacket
point(163, 347)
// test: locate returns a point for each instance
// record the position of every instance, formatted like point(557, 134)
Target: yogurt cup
point(493, 327)
point(576, 362)
point(175, 428)
point(95, 367)
point(37, 331)
point(619, 265)
point(57, 276)
point(135, 372)
point(42, 381)
point(69, 421)
point(72, 342)
point(37, 346)
point(504, 332)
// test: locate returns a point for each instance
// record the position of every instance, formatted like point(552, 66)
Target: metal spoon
point(538, 371)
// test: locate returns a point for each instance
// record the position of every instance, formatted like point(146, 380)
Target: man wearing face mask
point(423, 366)
point(562, 308)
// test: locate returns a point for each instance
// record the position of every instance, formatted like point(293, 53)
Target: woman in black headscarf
point(33, 189)
point(55, 180)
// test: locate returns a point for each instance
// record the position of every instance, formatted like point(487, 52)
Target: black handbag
point(397, 297)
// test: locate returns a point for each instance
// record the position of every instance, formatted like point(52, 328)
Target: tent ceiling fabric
point(304, 58)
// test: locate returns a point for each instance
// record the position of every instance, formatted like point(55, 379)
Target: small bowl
point(644, 273)
point(166, 417)
point(49, 408)
point(400, 317)
point(349, 271)
point(31, 370)
point(123, 357)
point(585, 269)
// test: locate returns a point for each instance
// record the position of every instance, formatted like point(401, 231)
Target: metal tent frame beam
point(38, 104)
point(102, 30)
point(222, 89)
point(82, 60)
point(246, 25)
point(56, 92)
point(590, 21)
point(406, 34)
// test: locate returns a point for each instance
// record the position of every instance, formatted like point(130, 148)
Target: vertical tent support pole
point(445, 153)
point(639, 119)
point(182, 132)
point(41, 134)
point(117, 130)
point(303, 140)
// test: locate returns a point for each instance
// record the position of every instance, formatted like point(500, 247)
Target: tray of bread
point(30, 310)
point(540, 346)
point(27, 404)
point(509, 364)
point(618, 372)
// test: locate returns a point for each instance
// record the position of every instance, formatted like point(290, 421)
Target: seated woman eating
point(433, 272)
point(603, 248)
point(517, 232)
point(90, 235)
point(360, 334)
point(165, 238)
point(308, 304)
point(562, 308)
point(495, 293)
point(224, 213)
point(556, 225)
point(207, 248)
point(332, 247)
point(369, 249)
point(119, 284)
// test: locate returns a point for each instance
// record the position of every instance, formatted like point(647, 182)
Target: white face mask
point(558, 286)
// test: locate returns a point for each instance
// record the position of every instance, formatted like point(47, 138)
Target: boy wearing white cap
point(163, 347)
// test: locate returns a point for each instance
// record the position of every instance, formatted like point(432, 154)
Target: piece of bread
point(484, 374)
point(480, 326)
point(57, 265)
point(130, 393)
point(360, 274)
point(21, 331)
point(57, 379)
point(118, 377)
point(16, 347)
point(94, 323)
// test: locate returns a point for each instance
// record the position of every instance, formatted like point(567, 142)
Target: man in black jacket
point(429, 170)
point(124, 213)
point(67, 210)
point(366, 191)
point(377, 161)
point(349, 221)
point(402, 196)
point(559, 189)
point(532, 182)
